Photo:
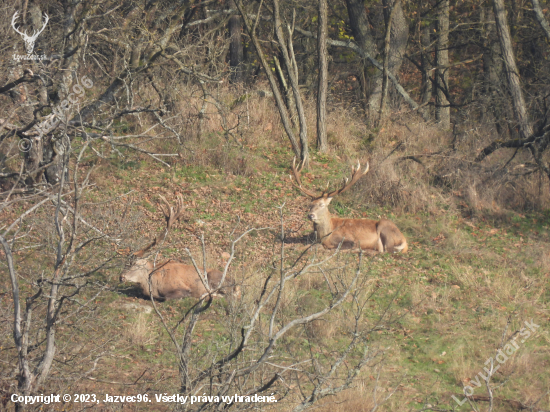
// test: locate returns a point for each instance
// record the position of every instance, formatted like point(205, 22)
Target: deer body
point(350, 233)
point(173, 280)
point(379, 235)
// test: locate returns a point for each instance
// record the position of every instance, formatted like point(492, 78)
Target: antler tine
point(366, 169)
point(356, 174)
point(178, 210)
point(298, 184)
point(325, 190)
point(170, 215)
point(165, 208)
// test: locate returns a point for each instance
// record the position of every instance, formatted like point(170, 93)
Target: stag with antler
point(380, 235)
point(29, 40)
point(172, 279)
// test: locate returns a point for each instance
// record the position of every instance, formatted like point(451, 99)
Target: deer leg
point(380, 245)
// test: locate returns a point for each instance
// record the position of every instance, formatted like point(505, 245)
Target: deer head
point(29, 40)
point(318, 210)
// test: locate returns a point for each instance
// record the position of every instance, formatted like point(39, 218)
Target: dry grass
point(413, 168)
point(139, 331)
point(353, 400)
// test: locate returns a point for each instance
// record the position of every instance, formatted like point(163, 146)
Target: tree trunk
point(360, 28)
point(34, 157)
point(236, 49)
point(388, 17)
point(53, 153)
point(289, 60)
point(442, 108)
point(539, 15)
point(426, 63)
point(289, 95)
point(322, 52)
point(399, 36)
point(492, 71)
point(512, 73)
point(251, 29)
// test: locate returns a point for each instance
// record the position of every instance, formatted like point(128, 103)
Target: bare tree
point(67, 271)
point(512, 73)
point(365, 38)
point(442, 107)
point(362, 33)
point(292, 71)
point(425, 64)
point(322, 54)
point(59, 100)
point(539, 15)
point(536, 141)
point(389, 15)
point(236, 48)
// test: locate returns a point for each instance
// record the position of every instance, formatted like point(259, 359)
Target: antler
point(298, 184)
point(170, 215)
point(356, 174)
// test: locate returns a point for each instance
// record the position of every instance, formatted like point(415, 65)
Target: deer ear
point(329, 199)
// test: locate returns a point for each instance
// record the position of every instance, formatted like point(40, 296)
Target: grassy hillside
point(476, 271)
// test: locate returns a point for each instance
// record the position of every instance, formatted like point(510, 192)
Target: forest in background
point(474, 73)
point(111, 104)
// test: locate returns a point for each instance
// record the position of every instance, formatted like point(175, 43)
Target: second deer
point(172, 279)
point(379, 235)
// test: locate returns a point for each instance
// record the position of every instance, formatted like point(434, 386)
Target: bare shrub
point(235, 160)
point(404, 188)
point(419, 167)
point(55, 256)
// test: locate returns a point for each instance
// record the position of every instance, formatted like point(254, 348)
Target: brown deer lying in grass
point(380, 235)
point(171, 279)
point(175, 280)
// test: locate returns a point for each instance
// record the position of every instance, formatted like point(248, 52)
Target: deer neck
point(323, 226)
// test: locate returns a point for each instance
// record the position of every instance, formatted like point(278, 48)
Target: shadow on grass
point(134, 291)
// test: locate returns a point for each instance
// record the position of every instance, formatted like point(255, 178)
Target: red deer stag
point(171, 279)
point(380, 235)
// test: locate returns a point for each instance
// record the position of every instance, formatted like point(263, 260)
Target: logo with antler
point(29, 40)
